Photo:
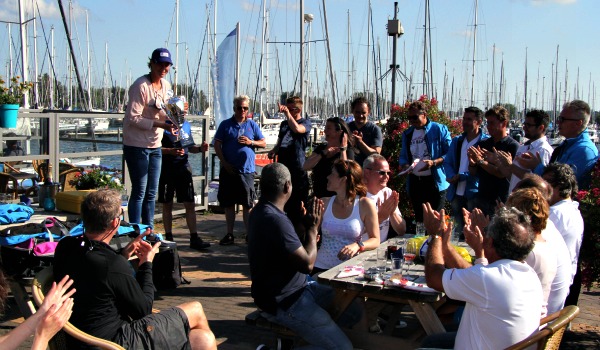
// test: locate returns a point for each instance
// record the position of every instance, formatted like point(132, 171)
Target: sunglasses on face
point(243, 108)
point(381, 172)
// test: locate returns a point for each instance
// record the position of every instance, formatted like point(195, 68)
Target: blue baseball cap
point(161, 55)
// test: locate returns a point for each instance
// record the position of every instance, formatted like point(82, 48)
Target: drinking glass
point(420, 230)
point(396, 265)
point(410, 253)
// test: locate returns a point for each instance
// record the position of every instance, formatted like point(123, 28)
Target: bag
point(166, 267)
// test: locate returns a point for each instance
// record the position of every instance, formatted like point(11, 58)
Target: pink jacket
point(141, 113)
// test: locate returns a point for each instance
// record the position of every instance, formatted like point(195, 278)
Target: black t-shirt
point(108, 295)
point(372, 136)
point(271, 242)
point(321, 171)
point(490, 186)
point(292, 150)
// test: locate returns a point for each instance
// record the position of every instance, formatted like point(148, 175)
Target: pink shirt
point(141, 114)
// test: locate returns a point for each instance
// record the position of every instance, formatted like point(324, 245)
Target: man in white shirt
point(535, 125)
point(564, 213)
point(503, 298)
point(376, 173)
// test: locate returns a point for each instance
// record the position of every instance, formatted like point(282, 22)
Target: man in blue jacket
point(463, 185)
point(577, 149)
point(428, 142)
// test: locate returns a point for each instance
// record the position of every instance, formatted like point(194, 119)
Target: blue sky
point(133, 28)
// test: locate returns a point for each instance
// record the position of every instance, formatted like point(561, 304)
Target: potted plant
point(10, 98)
point(97, 178)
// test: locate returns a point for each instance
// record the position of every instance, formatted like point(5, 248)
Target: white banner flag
point(223, 77)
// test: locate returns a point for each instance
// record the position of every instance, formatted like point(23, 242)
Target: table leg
point(427, 316)
point(341, 301)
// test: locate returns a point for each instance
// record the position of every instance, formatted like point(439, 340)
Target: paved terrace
point(220, 280)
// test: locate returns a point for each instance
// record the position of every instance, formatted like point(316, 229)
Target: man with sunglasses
point(577, 149)
point(235, 141)
point(428, 142)
point(291, 152)
point(376, 173)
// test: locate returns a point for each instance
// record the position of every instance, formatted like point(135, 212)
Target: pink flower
point(581, 195)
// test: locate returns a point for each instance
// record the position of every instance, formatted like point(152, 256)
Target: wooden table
point(347, 289)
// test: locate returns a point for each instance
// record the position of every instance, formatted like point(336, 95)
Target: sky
point(507, 31)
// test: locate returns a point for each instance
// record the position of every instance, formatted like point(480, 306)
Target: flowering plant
point(97, 178)
point(589, 204)
point(392, 143)
point(13, 94)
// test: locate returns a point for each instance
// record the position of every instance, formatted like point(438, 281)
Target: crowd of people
point(513, 204)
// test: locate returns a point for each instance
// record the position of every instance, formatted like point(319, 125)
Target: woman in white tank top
point(348, 215)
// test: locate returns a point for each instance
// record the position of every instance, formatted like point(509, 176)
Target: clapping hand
point(388, 206)
point(314, 212)
point(529, 160)
point(473, 232)
point(435, 222)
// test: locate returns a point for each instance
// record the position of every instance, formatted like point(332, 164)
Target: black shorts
point(168, 329)
point(236, 189)
point(176, 179)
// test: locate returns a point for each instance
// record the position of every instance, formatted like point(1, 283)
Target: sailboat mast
point(35, 65)
point(52, 78)
point(176, 47)
point(349, 82)
point(24, 65)
point(262, 63)
point(106, 106)
point(474, 54)
point(555, 85)
point(333, 87)
point(89, 62)
point(80, 85)
point(425, 92)
point(525, 87)
point(367, 87)
point(302, 50)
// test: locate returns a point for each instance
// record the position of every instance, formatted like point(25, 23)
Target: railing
point(44, 137)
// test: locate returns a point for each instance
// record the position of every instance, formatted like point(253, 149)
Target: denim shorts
point(168, 329)
point(236, 189)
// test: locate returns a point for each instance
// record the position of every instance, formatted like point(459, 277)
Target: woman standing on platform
point(143, 127)
point(348, 215)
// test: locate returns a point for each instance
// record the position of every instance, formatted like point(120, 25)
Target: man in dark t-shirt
point(280, 263)
point(291, 152)
point(483, 161)
point(366, 135)
point(112, 301)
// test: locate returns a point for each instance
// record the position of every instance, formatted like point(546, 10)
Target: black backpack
point(166, 267)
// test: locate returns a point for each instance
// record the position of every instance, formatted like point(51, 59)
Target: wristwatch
point(361, 246)
point(480, 162)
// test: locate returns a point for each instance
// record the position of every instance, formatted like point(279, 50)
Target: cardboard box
point(71, 200)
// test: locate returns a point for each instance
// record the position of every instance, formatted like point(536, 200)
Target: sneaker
point(197, 243)
point(263, 347)
point(227, 240)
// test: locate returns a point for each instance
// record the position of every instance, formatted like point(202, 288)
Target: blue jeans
point(308, 318)
point(144, 170)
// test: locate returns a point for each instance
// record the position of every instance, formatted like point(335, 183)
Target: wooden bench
point(285, 336)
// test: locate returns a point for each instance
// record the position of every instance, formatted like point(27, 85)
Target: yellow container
point(71, 200)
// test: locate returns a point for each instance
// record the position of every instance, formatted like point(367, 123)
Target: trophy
point(175, 110)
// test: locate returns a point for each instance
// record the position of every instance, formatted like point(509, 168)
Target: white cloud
point(464, 33)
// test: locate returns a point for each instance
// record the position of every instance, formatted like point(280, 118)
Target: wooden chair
point(42, 283)
point(9, 184)
point(550, 336)
point(66, 176)
point(42, 169)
